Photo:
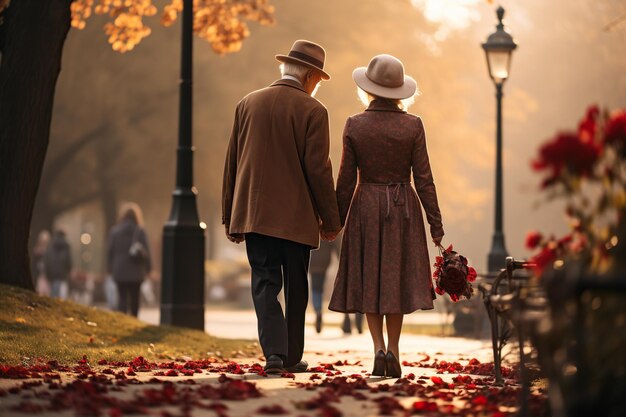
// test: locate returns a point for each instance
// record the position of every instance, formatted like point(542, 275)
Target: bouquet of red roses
point(452, 275)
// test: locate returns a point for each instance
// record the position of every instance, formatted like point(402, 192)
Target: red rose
point(533, 239)
point(615, 130)
point(544, 258)
point(567, 152)
point(588, 126)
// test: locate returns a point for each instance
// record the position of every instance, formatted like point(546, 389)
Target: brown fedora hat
point(308, 54)
point(384, 77)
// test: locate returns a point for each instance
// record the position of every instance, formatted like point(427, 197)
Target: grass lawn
point(41, 328)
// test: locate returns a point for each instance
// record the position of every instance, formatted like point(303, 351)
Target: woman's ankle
point(379, 348)
point(395, 350)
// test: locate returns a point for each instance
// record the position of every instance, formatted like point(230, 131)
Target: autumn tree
point(32, 36)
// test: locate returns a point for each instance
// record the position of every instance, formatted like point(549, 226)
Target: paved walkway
point(445, 375)
point(234, 324)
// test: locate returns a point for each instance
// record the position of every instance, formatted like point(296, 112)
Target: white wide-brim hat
point(384, 77)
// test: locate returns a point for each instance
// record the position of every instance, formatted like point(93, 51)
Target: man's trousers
point(275, 262)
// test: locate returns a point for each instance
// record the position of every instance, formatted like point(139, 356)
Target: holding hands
point(328, 236)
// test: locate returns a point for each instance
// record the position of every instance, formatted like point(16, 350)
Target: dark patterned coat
point(384, 265)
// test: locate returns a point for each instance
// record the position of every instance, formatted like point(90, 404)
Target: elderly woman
point(384, 268)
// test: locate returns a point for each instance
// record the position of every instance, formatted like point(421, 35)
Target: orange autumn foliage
point(219, 22)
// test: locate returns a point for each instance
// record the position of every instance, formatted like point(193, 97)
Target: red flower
point(567, 152)
point(564, 240)
point(615, 130)
point(533, 239)
point(588, 126)
point(544, 258)
point(471, 274)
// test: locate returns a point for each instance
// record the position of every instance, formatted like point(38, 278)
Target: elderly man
point(279, 197)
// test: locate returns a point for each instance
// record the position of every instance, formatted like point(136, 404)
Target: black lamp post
point(498, 49)
point(182, 280)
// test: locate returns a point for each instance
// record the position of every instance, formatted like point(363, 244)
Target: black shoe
point(347, 325)
point(318, 321)
point(392, 366)
point(379, 364)
point(274, 365)
point(301, 366)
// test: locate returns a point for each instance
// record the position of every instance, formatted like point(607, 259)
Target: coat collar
point(383, 105)
point(289, 83)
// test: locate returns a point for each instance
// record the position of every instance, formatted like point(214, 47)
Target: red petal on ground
point(387, 406)
point(329, 411)
point(115, 412)
point(480, 400)
point(437, 380)
point(424, 406)
point(272, 410)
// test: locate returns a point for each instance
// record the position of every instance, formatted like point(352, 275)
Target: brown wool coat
point(278, 176)
point(384, 266)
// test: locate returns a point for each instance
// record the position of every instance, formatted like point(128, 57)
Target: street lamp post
point(498, 50)
point(182, 280)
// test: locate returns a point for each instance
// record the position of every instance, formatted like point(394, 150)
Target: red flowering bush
point(568, 154)
point(587, 168)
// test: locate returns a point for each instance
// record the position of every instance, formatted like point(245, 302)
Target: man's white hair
point(295, 70)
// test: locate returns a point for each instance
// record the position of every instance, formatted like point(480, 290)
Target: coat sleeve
point(319, 170)
point(230, 172)
point(346, 181)
point(424, 184)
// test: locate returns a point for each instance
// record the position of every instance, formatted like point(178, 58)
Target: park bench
point(511, 300)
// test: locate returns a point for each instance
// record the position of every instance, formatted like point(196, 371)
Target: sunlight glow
point(450, 15)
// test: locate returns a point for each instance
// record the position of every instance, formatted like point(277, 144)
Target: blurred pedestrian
point(128, 258)
point(346, 326)
point(320, 261)
point(57, 263)
point(384, 269)
point(38, 267)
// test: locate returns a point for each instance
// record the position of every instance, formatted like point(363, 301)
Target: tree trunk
point(33, 34)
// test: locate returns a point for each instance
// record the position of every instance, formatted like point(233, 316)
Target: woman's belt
point(393, 192)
